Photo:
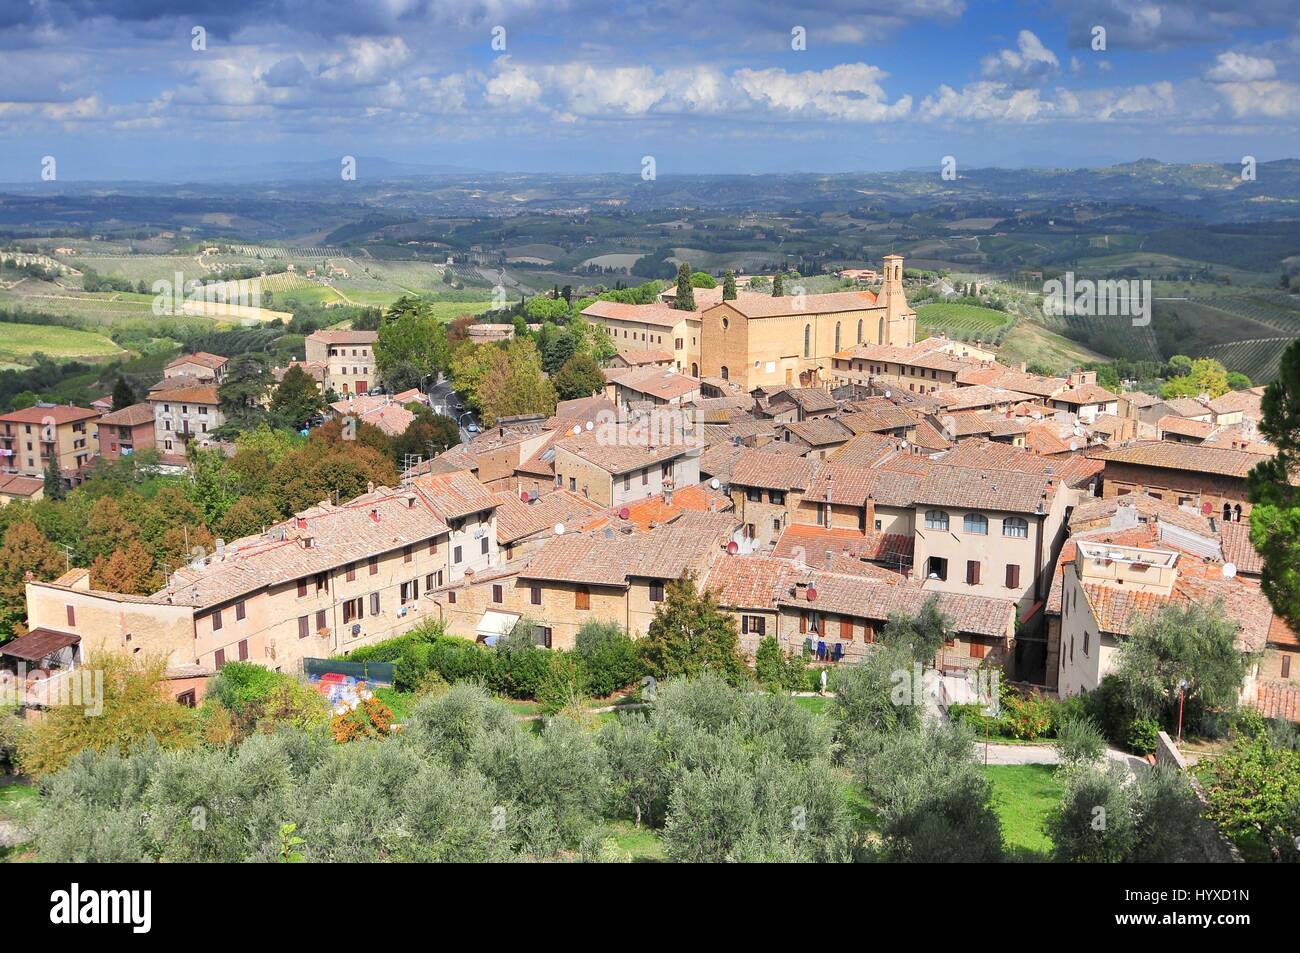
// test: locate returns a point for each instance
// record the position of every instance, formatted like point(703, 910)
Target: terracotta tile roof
point(749, 582)
point(457, 494)
point(637, 358)
point(611, 558)
point(15, 484)
point(1238, 549)
point(812, 543)
point(582, 408)
point(1085, 394)
point(658, 314)
point(928, 437)
point(1139, 398)
point(971, 398)
point(131, 416)
point(849, 485)
point(866, 449)
point(344, 337)
point(876, 416)
point(517, 520)
point(40, 413)
point(1100, 512)
point(696, 498)
point(811, 400)
point(664, 383)
point(1187, 407)
point(718, 460)
point(1248, 402)
point(183, 388)
point(372, 524)
point(1184, 426)
point(1279, 633)
point(820, 431)
point(772, 471)
point(999, 490)
point(1074, 470)
point(313, 369)
point(201, 358)
point(1278, 699)
point(755, 305)
point(622, 448)
point(1181, 456)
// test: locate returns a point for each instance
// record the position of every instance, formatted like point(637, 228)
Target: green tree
point(411, 345)
point(55, 489)
point(778, 285)
point(579, 377)
point(243, 393)
point(690, 634)
point(609, 655)
point(1273, 489)
point(702, 279)
point(729, 286)
point(123, 394)
point(1254, 790)
point(515, 383)
point(297, 400)
point(1193, 644)
point(25, 550)
point(684, 300)
point(922, 634)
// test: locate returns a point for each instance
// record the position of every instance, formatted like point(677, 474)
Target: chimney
point(302, 522)
point(374, 514)
point(830, 560)
point(668, 495)
point(870, 519)
point(410, 501)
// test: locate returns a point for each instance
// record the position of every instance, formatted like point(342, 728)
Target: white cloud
point(1233, 67)
point(849, 91)
point(1273, 99)
point(1030, 64)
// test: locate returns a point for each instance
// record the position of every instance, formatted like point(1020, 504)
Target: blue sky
point(116, 89)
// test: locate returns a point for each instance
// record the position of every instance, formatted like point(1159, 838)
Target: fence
point(372, 673)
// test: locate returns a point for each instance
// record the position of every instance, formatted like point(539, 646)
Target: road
point(1045, 754)
point(446, 401)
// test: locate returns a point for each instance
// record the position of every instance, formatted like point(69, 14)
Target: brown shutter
point(846, 628)
point(72, 615)
point(582, 598)
point(744, 625)
point(1013, 577)
point(976, 647)
point(803, 622)
point(302, 588)
point(243, 650)
point(220, 657)
point(320, 619)
point(972, 572)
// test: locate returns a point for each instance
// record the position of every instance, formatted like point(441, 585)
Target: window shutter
point(846, 629)
point(803, 622)
point(1013, 577)
point(972, 572)
point(302, 588)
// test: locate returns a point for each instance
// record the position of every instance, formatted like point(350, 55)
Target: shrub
point(521, 665)
point(1143, 735)
point(1079, 741)
point(563, 684)
point(777, 670)
point(1026, 717)
point(369, 719)
point(609, 656)
point(240, 686)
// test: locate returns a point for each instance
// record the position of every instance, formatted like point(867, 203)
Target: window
point(320, 620)
point(846, 629)
point(807, 340)
point(374, 603)
point(72, 615)
point(1286, 666)
point(1013, 577)
point(456, 555)
point(837, 336)
point(353, 609)
point(239, 611)
point(645, 476)
point(451, 597)
point(753, 495)
point(657, 590)
point(304, 627)
point(322, 582)
point(936, 519)
point(1087, 641)
point(410, 591)
point(433, 580)
point(433, 547)
point(498, 594)
point(1015, 527)
point(542, 636)
point(936, 567)
point(243, 650)
point(220, 658)
point(777, 497)
point(976, 648)
point(535, 595)
point(753, 625)
point(216, 621)
point(582, 598)
point(483, 546)
point(407, 554)
point(374, 565)
point(977, 524)
point(972, 572)
point(859, 330)
point(352, 572)
point(302, 588)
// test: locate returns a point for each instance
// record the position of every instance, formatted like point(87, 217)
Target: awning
point(38, 644)
point(493, 625)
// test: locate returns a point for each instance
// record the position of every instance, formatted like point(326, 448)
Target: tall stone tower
point(898, 323)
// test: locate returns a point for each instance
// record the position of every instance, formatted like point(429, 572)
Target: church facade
point(757, 340)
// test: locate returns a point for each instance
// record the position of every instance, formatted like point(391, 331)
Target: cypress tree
point(729, 286)
point(685, 300)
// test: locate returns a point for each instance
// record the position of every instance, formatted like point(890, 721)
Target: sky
point(133, 89)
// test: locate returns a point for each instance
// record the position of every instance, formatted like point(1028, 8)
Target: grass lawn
point(1022, 796)
point(642, 843)
point(400, 702)
point(16, 801)
point(816, 704)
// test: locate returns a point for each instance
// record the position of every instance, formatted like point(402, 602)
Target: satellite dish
point(888, 394)
point(624, 513)
point(1229, 570)
point(590, 425)
point(524, 496)
point(812, 593)
point(577, 430)
point(714, 483)
point(732, 548)
point(559, 529)
point(1073, 445)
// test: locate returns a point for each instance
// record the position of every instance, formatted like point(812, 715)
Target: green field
point(18, 342)
point(1023, 794)
point(964, 321)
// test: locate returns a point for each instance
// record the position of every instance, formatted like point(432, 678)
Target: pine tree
point(778, 285)
point(685, 299)
point(1275, 519)
point(54, 487)
point(123, 394)
point(729, 286)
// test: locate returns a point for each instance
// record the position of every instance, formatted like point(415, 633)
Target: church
point(757, 340)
